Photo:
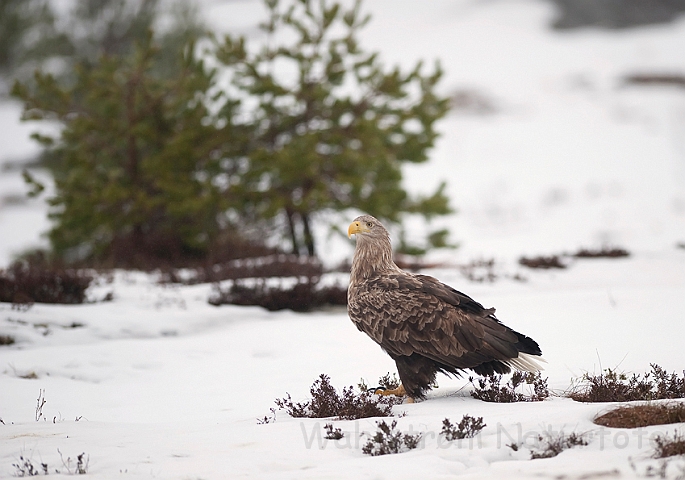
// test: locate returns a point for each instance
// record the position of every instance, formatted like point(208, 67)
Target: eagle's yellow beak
point(355, 227)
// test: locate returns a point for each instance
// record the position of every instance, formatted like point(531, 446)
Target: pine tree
point(135, 163)
point(155, 163)
point(329, 127)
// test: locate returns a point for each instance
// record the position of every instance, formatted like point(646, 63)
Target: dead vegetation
point(635, 416)
point(326, 402)
point(331, 433)
point(543, 262)
point(667, 446)
point(479, 270)
point(472, 102)
point(604, 252)
point(550, 445)
point(388, 440)
point(270, 266)
point(305, 295)
point(468, 427)
point(564, 260)
point(490, 388)
point(611, 386)
point(26, 468)
point(40, 403)
point(274, 282)
point(26, 282)
point(655, 79)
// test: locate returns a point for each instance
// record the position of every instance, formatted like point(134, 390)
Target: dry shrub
point(161, 251)
point(331, 433)
point(326, 402)
point(655, 79)
point(26, 282)
point(551, 445)
point(269, 266)
point(604, 252)
point(26, 468)
point(489, 388)
point(665, 446)
point(543, 262)
point(480, 271)
point(611, 386)
point(304, 296)
point(468, 427)
point(561, 261)
point(634, 416)
point(387, 440)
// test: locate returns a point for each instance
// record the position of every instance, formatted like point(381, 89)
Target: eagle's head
point(367, 227)
point(373, 253)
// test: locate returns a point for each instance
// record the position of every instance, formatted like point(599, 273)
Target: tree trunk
point(293, 232)
point(308, 237)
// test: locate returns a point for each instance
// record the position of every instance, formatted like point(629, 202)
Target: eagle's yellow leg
point(398, 392)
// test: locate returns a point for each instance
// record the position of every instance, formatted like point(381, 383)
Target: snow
point(158, 383)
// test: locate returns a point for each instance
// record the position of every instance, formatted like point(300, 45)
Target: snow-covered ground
point(158, 383)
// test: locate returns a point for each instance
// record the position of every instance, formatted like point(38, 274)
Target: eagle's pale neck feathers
point(373, 254)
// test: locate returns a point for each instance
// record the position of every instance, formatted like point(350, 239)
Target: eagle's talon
point(398, 392)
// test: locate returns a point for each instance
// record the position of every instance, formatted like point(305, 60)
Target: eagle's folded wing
point(409, 314)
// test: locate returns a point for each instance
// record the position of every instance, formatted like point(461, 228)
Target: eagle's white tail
point(526, 362)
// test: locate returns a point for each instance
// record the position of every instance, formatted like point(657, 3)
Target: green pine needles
point(166, 166)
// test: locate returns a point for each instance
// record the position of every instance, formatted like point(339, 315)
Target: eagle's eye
point(369, 224)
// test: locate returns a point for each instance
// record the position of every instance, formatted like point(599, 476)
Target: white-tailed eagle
point(423, 324)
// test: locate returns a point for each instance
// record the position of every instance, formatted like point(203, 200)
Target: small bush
point(25, 283)
point(665, 446)
point(26, 468)
point(552, 445)
point(332, 434)
point(634, 416)
point(327, 402)
point(655, 79)
point(468, 427)
point(6, 340)
point(78, 467)
point(542, 262)
point(610, 386)
point(387, 440)
point(604, 252)
point(304, 296)
point(660, 470)
point(479, 271)
point(562, 260)
point(489, 389)
point(267, 418)
point(268, 266)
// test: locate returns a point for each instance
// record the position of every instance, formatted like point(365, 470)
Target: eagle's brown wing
point(409, 314)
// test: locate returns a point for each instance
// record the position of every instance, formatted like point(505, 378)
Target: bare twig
point(40, 403)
